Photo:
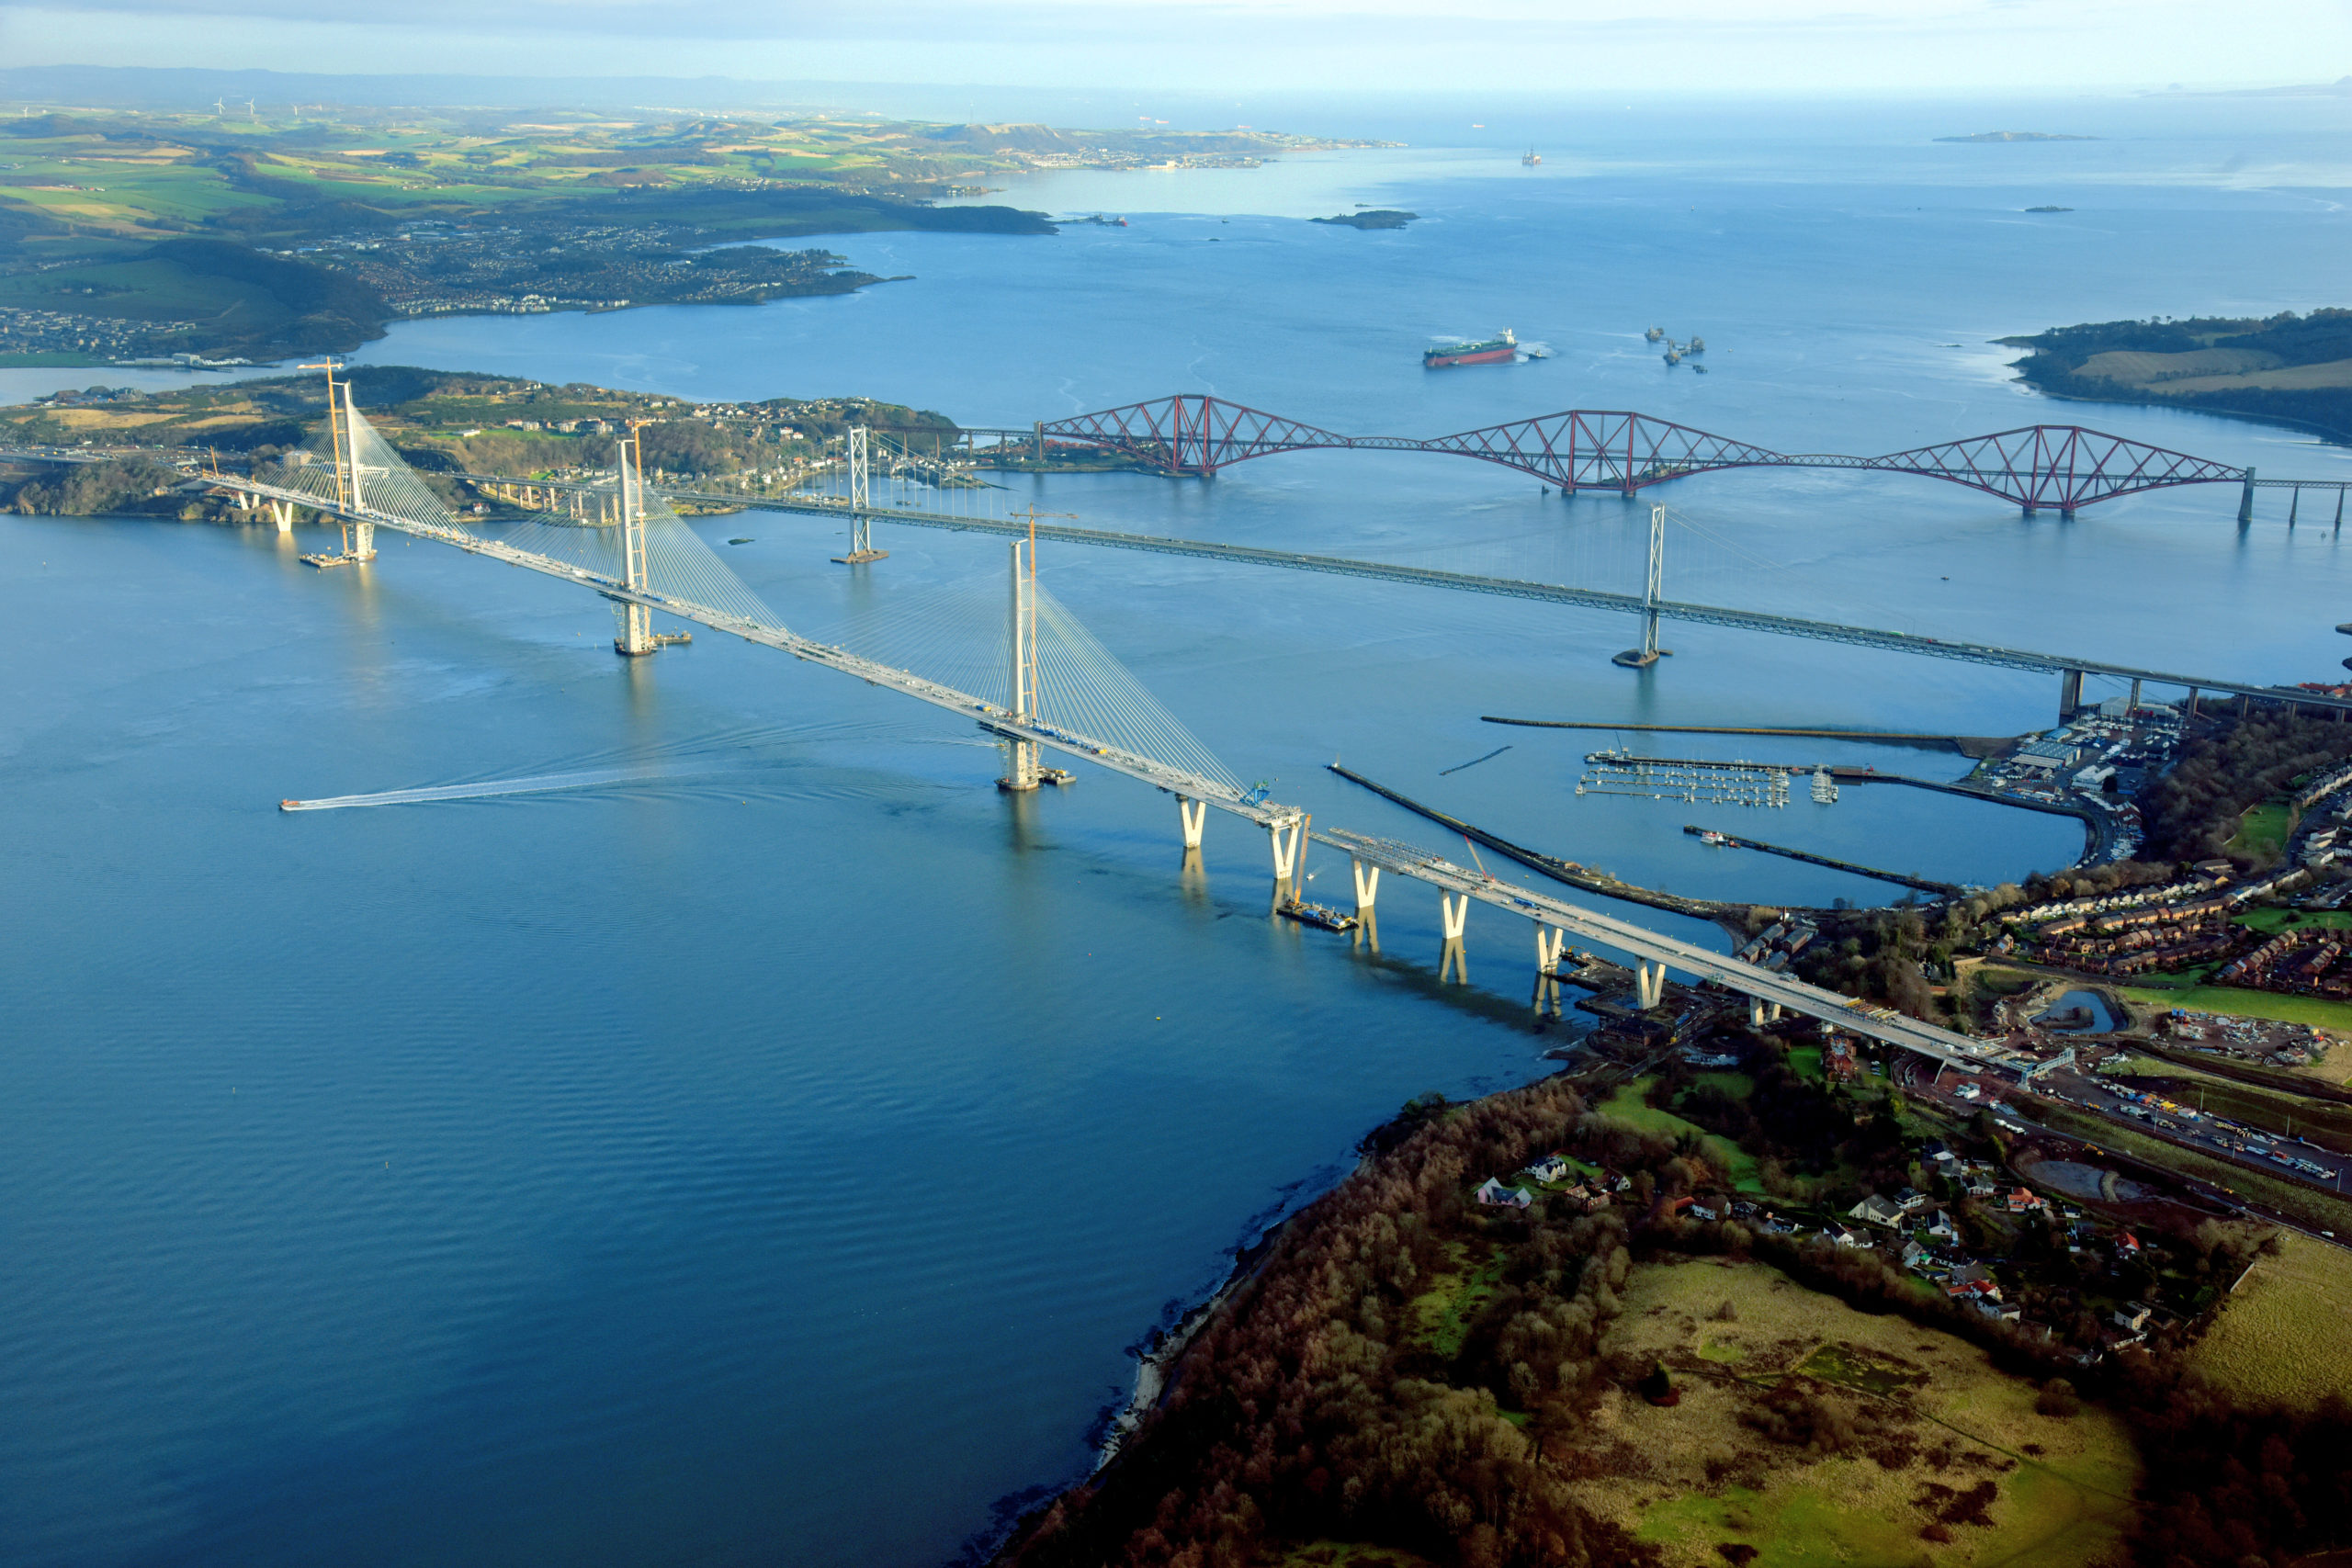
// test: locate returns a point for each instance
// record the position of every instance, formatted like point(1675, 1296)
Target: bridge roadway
point(1403, 860)
point(1589, 598)
point(1765, 985)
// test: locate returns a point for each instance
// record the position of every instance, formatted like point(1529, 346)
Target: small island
point(2017, 136)
point(1377, 218)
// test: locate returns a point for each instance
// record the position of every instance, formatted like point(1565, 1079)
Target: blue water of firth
point(776, 1158)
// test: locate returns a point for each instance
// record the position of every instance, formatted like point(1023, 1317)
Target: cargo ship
point(1494, 351)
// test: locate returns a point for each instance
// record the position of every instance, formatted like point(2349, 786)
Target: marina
point(1695, 781)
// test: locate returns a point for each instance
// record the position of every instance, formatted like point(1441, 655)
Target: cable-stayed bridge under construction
point(1059, 692)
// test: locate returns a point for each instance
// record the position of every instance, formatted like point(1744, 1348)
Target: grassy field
point(2271, 919)
point(1697, 1477)
point(1737, 1164)
point(2282, 1337)
point(2262, 832)
point(2315, 1011)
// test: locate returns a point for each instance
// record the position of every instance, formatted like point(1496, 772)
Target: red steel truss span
point(2056, 466)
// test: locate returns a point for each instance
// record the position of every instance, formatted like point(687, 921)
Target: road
point(2013, 1109)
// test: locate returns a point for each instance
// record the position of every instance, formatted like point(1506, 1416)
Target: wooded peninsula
point(2289, 368)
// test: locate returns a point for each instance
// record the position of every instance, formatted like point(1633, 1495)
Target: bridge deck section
point(1554, 593)
point(1590, 925)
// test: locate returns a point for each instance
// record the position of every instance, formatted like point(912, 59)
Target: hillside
point(126, 235)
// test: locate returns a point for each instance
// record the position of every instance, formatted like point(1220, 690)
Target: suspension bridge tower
point(1653, 594)
point(861, 515)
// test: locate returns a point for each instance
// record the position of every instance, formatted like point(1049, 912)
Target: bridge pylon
point(1284, 835)
point(1653, 595)
point(1020, 770)
point(861, 517)
point(636, 639)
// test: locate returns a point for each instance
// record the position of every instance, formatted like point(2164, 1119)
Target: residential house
point(2022, 1201)
point(1877, 1211)
point(1551, 1167)
point(1495, 1195)
point(1972, 1279)
point(1843, 1237)
point(2132, 1317)
point(1911, 1201)
point(1940, 1226)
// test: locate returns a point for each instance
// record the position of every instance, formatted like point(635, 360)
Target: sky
point(1843, 47)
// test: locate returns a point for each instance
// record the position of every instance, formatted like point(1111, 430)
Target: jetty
point(1558, 870)
point(1734, 842)
point(1966, 745)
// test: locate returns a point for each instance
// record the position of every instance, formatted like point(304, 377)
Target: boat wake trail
point(488, 787)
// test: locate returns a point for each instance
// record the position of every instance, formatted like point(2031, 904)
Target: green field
point(1740, 1166)
point(2271, 919)
point(2262, 832)
point(2315, 1011)
point(2282, 1337)
point(2062, 1486)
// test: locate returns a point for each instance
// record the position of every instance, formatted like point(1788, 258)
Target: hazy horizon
point(1776, 47)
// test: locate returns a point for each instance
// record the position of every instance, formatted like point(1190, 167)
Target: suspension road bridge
point(1061, 695)
point(2069, 668)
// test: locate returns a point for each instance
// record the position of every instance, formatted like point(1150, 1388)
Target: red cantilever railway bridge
point(2057, 466)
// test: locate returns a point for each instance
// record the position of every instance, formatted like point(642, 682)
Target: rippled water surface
point(771, 1152)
